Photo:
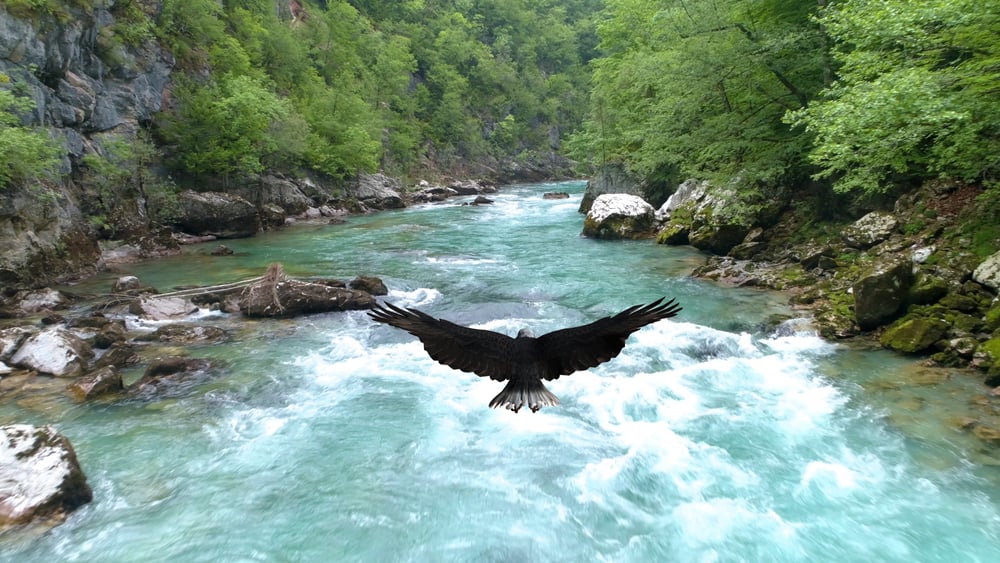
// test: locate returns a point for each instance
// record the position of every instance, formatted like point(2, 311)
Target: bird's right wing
point(582, 347)
point(482, 352)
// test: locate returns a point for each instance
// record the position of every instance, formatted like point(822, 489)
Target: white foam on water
point(418, 297)
point(460, 261)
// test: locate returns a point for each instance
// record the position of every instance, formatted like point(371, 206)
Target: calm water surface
point(328, 438)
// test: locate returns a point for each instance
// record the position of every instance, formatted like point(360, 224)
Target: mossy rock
point(927, 290)
point(673, 234)
point(961, 322)
point(993, 318)
point(913, 335)
point(959, 302)
point(717, 239)
point(991, 349)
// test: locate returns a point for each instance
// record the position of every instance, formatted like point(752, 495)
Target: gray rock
point(717, 239)
point(218, 214)
point(870, 230)
point(610, 179)
point(988, 273)
point(80, 85)
point(369, 284)
point(125, 284)
point(162, 308)
point(40, 300)
point(284, 193)
point(119, 354)
point(12, 338)
point(186, 334)
point(103, 381)
point(377, 191)
point(688, 194)
point(880, 292)
point(718, 218)
point(169, 374)
point(54, 351)
point(433, 193)
point(920, 255)
point(40, 477)
point(614, 216)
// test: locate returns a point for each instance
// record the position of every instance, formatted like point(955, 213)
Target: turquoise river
point(714, 436)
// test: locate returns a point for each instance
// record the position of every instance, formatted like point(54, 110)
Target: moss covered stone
point(673, 234)
point(963, 303)
point(913, 335)
point(993, 318)
point(880, 292)
point(927, 290)
point(991, 349)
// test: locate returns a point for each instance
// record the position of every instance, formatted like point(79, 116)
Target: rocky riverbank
point(55, 343)
point(918, 276)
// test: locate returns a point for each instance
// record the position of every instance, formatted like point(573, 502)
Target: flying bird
point(523, 362)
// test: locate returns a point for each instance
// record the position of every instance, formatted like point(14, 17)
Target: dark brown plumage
point(524, 361)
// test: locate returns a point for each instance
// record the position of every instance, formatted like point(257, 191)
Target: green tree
point(230, 127)
point(701, 86)
point(918, 93)
point(122, 187)
point(25, 153)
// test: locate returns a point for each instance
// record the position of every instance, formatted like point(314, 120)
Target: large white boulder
point(619, 216)
point(988, 273)
point(54, 351)
point(40, 476)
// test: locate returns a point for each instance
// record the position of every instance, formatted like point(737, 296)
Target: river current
point(712, 437)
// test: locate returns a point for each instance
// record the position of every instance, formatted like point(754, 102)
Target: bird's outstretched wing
point(578, 348)
point(482, 352)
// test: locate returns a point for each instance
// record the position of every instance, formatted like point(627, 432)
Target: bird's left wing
point(582, 347)
point(483, 352)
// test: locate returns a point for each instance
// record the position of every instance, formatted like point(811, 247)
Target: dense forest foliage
point(861, 96)
point(866, 95)
point(344, 87)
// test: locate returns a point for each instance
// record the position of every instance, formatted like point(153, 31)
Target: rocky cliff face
point(84, 85)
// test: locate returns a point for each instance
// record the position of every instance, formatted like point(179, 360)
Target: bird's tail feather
point(518, 393)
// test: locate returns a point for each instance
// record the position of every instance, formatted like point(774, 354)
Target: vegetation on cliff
point(342, 87)
point(345, 87)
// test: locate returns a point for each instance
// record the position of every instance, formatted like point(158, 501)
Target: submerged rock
point(369, 284)
point(170, 375)
point(40, 476)
point(186, 334)
point(103, 381)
